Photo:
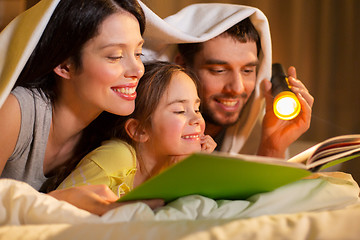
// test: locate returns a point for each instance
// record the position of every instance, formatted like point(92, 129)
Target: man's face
point(227, 70)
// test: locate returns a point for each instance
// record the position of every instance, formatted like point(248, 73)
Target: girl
point(165, 127)
point(87, 61)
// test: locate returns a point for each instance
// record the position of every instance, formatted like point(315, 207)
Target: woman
point(87, 61)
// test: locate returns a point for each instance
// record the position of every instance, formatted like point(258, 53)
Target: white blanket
point(21, 204)
point(196, 23)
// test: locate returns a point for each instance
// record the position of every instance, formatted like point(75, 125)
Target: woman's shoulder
point(31, 100)
point(113, 153)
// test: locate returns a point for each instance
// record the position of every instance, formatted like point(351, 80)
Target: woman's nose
point(135, 69)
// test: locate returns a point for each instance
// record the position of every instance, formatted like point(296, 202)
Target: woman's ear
point(132, 129)
point(63, 69)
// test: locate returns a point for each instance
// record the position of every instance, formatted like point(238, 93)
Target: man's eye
point(249, 70)
point(217, 70)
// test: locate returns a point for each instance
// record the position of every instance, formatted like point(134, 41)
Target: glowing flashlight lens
point(286, 106)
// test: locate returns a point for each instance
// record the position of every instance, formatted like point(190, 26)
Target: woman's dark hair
point(244, 31)
point(73, 23)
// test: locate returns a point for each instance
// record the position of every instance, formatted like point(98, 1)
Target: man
point(229, 49)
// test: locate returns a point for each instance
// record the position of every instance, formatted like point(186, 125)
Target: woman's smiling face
point(111, 67)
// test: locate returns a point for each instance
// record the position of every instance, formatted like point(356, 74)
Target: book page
point(303, 156)
point(259, 159)
point(329, 150)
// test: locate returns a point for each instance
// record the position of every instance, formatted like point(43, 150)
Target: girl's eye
point(197, 110)
point(179, 112)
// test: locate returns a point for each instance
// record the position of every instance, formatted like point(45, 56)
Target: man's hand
point(277, 135)
point(97, 199)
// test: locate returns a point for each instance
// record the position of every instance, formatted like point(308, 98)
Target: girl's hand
point(207, 144)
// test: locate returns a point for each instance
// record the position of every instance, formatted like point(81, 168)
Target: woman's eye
point(115, 58)
point(138, 55)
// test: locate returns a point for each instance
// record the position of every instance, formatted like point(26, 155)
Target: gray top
point(26, 162)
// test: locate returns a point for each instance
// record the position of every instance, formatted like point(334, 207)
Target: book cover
point(219, 176)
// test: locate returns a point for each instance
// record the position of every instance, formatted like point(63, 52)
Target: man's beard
point(209, 117)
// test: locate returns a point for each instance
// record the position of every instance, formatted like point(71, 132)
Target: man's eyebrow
point(215, 62)
point(221, 62)
point(254, 63)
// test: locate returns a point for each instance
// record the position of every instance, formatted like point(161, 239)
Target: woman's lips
point(127, 92)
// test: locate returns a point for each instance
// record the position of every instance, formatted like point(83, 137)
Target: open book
point(234, 176)
point(329, 152)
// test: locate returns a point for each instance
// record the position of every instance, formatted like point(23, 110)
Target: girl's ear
point(179, 60)
point(138, 135)
point(63, 69)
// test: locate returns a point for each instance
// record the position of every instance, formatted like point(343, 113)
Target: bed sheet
point(341, 224)
point(326, 205)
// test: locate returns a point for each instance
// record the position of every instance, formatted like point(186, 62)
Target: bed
point(325, 206)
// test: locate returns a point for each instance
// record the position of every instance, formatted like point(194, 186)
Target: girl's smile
point(192, 137)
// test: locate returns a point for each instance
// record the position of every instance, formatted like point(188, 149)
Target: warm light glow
point(286, 105)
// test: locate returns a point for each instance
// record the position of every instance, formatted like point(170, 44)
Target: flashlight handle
point(279, 80)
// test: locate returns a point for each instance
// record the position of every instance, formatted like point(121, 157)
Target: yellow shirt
point(112, 164)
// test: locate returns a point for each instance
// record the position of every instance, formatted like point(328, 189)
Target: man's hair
point(244, 31)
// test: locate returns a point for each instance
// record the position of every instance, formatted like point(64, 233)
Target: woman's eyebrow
point(116, 44)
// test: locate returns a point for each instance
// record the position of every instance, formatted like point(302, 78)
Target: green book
point(234, 176)
point(219, 176)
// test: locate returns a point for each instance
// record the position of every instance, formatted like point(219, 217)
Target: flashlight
point(286, 105)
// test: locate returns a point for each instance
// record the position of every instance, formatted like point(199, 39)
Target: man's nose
point(235, 84)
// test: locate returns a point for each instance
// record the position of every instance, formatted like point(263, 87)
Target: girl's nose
point(196, 119)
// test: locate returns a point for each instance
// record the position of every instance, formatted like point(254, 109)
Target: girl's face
point(111, 68)
point(177, 124)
